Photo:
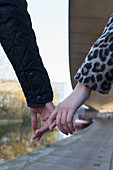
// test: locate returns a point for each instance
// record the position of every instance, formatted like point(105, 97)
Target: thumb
point(34, 119)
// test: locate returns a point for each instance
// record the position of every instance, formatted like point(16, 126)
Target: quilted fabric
point(19, 42)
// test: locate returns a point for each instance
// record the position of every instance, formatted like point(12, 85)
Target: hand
point(65, 111)
point(44, 112)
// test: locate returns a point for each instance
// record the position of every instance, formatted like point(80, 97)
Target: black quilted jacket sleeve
point(18, 41)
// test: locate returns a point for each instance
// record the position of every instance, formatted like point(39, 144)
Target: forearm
point(19, 43)
point(81, 94)
point(96, 72)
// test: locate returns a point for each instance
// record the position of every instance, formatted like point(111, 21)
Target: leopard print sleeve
point(96, 72)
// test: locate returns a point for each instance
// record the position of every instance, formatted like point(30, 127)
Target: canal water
point(15, 140)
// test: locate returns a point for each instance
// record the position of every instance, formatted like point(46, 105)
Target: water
point(15, 140)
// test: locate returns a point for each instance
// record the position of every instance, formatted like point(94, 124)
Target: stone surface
point(91, 149)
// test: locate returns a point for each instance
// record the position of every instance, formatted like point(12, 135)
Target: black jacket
point(19, 42)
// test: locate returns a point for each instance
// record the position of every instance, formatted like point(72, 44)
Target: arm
point(97, 70)
point(19, 42)
point(96, 73)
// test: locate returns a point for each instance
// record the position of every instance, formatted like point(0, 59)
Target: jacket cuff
point(36, 87)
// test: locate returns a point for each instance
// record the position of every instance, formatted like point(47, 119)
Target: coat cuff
point(96, 72)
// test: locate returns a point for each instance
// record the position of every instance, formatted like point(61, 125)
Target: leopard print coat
point(96, 72)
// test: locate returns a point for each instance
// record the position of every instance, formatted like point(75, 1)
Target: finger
point(40, 135)
point(34, 120)
point(40, 131)
point(36, 136)
point(64, 122)
point(52, 117)
point(58, 123)
point(52, 126)
point(37, 139)
point(70, 121)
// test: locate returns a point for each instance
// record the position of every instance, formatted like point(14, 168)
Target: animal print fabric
point(96, 72)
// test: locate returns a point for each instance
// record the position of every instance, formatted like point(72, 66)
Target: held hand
point(65, 111)
point(44, 112)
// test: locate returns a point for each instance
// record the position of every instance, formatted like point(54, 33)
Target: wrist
point(81, 93)
point(83, 89)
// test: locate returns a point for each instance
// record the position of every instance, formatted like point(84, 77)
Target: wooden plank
point(75, 57)
point(77, 48)
point(81, 38)
point(94, 9)
point(86, 25)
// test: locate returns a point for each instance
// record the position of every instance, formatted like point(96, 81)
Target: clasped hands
point(62, 115)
